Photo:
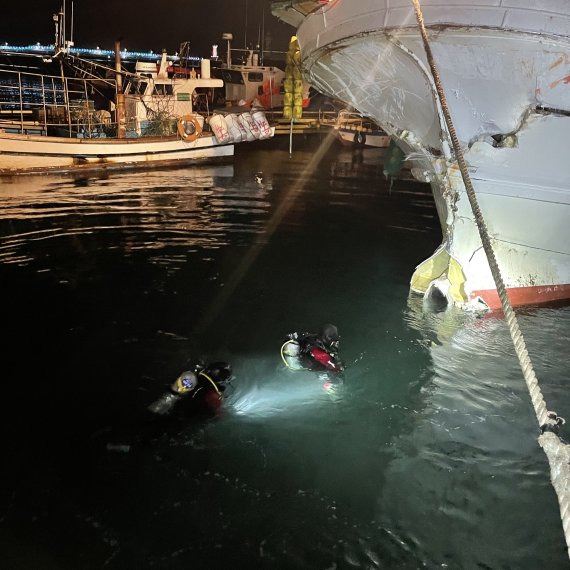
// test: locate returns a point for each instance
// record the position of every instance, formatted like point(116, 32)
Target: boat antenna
point(59, 21)
point(245, 32)
point(56, 24)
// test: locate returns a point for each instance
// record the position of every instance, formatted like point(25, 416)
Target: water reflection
point(163, 211)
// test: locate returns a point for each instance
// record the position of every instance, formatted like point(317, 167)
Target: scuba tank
point(325, 359)
point(290, 354)
point(183, 385)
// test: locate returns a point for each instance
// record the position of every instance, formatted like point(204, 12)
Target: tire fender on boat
point(360, 138)
point(189, 128)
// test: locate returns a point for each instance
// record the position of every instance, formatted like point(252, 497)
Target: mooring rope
point(557, 452)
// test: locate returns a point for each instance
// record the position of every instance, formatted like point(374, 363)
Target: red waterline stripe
point(525, 295)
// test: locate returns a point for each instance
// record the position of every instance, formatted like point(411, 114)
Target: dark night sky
point(145, 24)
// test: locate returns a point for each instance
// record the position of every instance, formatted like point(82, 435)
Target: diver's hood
point(219, 372)
point(329, 335)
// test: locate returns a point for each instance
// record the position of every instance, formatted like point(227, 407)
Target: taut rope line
point(557, 452)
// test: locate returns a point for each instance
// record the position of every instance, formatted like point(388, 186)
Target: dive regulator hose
point(211, 382)
point(283, 357)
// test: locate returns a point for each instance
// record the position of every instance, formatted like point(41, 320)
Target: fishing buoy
point(220, 129)
point(293, 83)
point(236, 128)
point(265, 131)
point(251, 125)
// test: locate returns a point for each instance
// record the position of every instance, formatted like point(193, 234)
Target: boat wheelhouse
point(250, 82)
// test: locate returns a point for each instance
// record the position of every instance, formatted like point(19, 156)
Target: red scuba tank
point(323, 358)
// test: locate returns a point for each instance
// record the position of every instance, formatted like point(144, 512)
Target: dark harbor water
point(425, 456)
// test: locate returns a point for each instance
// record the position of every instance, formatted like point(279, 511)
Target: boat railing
point(320, 117)
point(33, 103)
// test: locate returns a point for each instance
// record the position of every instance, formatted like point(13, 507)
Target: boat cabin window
point(136, 88)
point(163, 89)
point(232, 76)
point(255, 77)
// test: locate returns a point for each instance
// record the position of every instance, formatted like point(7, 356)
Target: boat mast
point(120, 96)
point(228, 37)
point(60, 48)
point(63, 24)
point(262, 34)
point(59, 30)
point(71, 32)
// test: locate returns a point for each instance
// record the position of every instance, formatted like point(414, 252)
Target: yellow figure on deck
point(293, 85)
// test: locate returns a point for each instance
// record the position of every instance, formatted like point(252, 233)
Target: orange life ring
point(189, 128)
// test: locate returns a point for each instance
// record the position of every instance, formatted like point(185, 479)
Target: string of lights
point(89, 52)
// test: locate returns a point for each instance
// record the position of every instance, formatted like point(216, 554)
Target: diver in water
point(199, 389)
point(197, 393)
point(309, 351)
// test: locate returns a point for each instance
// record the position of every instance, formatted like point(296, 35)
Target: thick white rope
point(557, 452)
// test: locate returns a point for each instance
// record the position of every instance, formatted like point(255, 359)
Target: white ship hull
point(33, 153)
point(505, 68)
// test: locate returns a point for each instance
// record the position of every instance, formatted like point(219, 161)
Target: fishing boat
point(82, 118)
point(249, 82)
point(353, 128)
point(505, 69)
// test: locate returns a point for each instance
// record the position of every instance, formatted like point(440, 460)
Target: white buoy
point(205, 68)
point(262, 123)
point(249, 121)
point(236, 129)
point(220, 129)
